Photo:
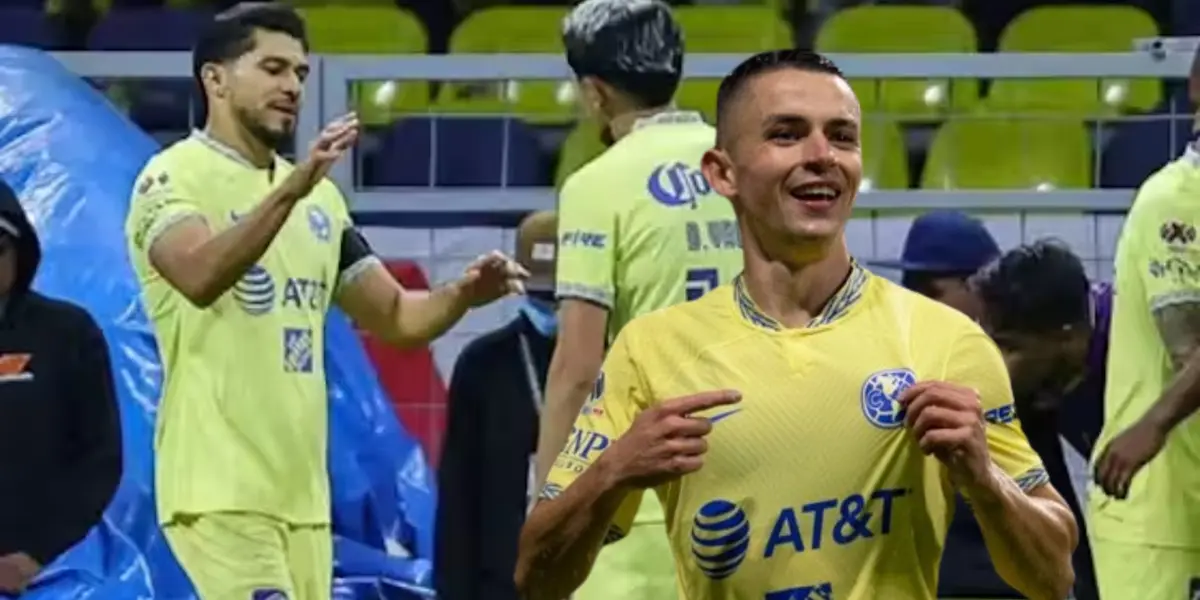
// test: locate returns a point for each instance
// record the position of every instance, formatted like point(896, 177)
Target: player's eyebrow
point(280, 62)
point(793, 120)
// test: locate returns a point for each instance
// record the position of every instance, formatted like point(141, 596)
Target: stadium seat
point(367, 29)
point(725, 29)
point(1137, 149)
point(519, 30)
point(157, 105)
point(27, 27)
point(582, 144)
point(909, 29)
point(885, 155)
point(410, 377)
point(466, 151)
point(1076, 29)
point(1000, 153)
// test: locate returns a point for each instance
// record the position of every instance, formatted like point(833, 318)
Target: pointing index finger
point(702, 401)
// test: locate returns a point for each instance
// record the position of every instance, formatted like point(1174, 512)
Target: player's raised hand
point(665, 441)
point(1125, 456)
point(331, 144)
point(492, 276)
point(947, 422)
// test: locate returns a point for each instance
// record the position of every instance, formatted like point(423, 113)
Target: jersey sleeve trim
point(1032, 479)
point(576, 291)
point(354, 271)
point(163, 224)
point(1175, 298)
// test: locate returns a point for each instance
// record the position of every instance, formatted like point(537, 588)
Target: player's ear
point(591, 96)
point(718, 170)
point(215, 80)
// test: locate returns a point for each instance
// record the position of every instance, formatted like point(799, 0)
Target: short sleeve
point(160, 199)
point(586, 241)
point(616, 399)
point(976, 362)
point(1160, 246)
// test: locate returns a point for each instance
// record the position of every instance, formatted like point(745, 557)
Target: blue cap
point(944, 241)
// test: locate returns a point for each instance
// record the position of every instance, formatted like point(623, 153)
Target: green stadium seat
point(1002, 153)
point(885, 155)
point(1081, 28)
point(511, 29)
point(730, 30)
point(368, 29)
point(581, 145)
point(908, 29)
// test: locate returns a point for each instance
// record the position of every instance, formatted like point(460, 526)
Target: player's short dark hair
point(634, 47)
point(1035, 288)
point(923, 282)
point(766, 62)
point(230, 35)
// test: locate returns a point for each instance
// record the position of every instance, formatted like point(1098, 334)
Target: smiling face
point(790, 159)
point(263, 87)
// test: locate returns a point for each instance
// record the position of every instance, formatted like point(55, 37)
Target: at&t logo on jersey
point(879, 394)
point(720, 538)
point(255, 291)
point(677, 185)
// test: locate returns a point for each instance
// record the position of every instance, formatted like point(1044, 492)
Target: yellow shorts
point(1137, 572)
point(249, 556)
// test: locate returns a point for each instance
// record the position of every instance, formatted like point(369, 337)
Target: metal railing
point(328, 93)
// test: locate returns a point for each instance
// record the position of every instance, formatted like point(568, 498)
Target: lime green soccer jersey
point(242, 424)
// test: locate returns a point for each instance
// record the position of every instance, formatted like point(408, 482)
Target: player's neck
point(623, 123)
point(240, 140)
point(793, 293)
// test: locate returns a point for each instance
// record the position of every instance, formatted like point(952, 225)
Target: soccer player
point(639, 229)
point(1052, 326)
point(239, 255)
point(805, 424)
point(1146, 531)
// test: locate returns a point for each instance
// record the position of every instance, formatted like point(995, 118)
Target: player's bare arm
point(563, 535)
point(203, 265)
point(1179, 325)
point(578, 355)
point(1029, 535)
point(407, 318)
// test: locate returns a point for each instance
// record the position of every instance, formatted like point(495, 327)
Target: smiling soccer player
point(852, 408)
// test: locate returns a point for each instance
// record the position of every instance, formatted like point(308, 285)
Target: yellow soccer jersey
point(242, 424)
point(639, 226)
point(1157, 265)
point(811, 488)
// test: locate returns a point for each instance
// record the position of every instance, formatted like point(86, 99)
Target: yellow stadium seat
point(582, 144)
point(1000, 153)
point(1076, 29)
point(729, 30)
point(367, 29)
point(885, 155)
point(908, 29)
point(511, 29)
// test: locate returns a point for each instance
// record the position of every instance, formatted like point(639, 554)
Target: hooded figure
point(60, 439)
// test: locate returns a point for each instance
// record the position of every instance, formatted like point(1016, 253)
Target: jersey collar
point(1191, 154)
point(669, 117)
point(836, 308)
point(223, 149)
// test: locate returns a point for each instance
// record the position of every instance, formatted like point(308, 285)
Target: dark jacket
point(60, 440)
point(484, 475)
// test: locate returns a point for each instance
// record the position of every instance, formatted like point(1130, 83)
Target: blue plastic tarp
point(72, 159)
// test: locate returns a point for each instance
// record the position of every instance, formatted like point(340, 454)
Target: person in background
point(485, 479)
point(1052, 326)
point(640, 228)
point(942, 250)
point(60, 432)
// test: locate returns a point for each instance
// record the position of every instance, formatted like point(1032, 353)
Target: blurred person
point(1052, 325)
point(1143, 514)
point(639, 229)
point(239, 255)
point(942, 250)
point(485, 481)
point(60, 432)
point(734, 410)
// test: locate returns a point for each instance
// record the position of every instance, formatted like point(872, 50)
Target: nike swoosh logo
point(719, 416)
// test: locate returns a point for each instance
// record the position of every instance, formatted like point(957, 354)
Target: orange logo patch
point(13, 366)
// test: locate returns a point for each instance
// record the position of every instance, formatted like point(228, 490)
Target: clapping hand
point(490, 277)
point(665, 441)
point(17, 571)
point(331, 144)
point(947, 422)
